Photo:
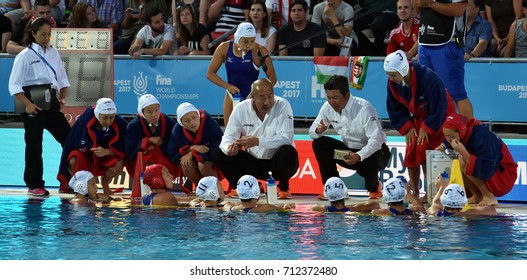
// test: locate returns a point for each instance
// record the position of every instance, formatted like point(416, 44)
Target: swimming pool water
point(48, 229)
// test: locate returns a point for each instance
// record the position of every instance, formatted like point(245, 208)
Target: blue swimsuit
point(405, 212)
point(148, 199)
point(333, 209)
point(444, 213)
point(241, 72)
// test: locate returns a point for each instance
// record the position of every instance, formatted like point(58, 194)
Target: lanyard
point(45, 61)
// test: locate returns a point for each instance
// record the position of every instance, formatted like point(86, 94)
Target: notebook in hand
point(341, 154)
point(38, 94)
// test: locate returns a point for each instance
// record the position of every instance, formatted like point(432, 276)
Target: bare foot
point(474, 199)
point(488, 201)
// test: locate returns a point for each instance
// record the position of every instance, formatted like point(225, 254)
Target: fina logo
point(140, 84)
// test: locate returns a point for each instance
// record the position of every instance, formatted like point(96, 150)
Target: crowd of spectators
point(285, 27)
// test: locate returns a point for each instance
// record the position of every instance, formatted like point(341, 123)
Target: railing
point(497, 87)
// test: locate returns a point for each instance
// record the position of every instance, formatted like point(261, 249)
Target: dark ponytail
point(33, 26)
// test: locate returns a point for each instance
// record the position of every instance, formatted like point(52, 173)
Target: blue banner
point(6, 100)
point(497, 90)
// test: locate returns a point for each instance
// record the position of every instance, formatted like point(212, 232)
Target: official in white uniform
point(259, 139)
point(358, 125)
point(39, 64)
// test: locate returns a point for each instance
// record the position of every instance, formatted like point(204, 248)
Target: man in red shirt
point(404, 36)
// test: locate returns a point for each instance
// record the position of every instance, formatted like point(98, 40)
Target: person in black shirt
point(300, 29)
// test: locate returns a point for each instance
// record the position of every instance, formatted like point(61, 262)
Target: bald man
point(259, 139)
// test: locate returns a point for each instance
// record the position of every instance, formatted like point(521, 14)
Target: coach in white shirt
point(259, 139)
point(358, 125)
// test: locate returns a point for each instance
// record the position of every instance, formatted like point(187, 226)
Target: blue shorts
point(448, 63)
point(148, 199)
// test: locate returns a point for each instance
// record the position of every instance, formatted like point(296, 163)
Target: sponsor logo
point(140, 84)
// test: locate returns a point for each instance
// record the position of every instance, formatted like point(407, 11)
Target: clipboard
point(341, 154)
point(38, 94)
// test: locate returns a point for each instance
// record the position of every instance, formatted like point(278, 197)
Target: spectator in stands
point(39, 64)
point(517, 41)
point(278, 11)
point(259, 139)
point(481, 5)
point(329, 14)
point(193, 140)
point(133, 21)
point(441, 40)
point(5, 33)
point(243, 59)
point(155, 38)
point(193, 37)
point(110, 13)
point(405, 35)
point(149, 133)
point(265, 33)
point(501, 14)
point(18, 16)
point(204, 6)
point(40, 9)
point(479, 34)
point(8, 5)
point(487, 165)
point(230, 14)
point(95, 143)
point(300, 32)
point(357, 123)
point(380, 17)
point(450, 200)
point(84, 16)
point(160, 181)
point(200, 8)
point(417, 104)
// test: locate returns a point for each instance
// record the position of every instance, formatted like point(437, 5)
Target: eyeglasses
point(185, 6)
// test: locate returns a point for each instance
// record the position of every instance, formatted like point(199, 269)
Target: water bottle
point(236, 98)
point(145, 189)
point(272, 196)
point(444, 175)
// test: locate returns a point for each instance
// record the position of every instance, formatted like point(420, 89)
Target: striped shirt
point(232, 14)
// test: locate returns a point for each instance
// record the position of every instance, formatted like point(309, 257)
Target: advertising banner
point(498, 90)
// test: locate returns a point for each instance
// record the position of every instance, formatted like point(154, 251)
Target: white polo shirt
point(276, 130)
point(358, 125)
point(29, 69)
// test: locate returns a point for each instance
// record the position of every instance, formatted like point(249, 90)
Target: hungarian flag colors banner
point(327, 66)
point(358, 74)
